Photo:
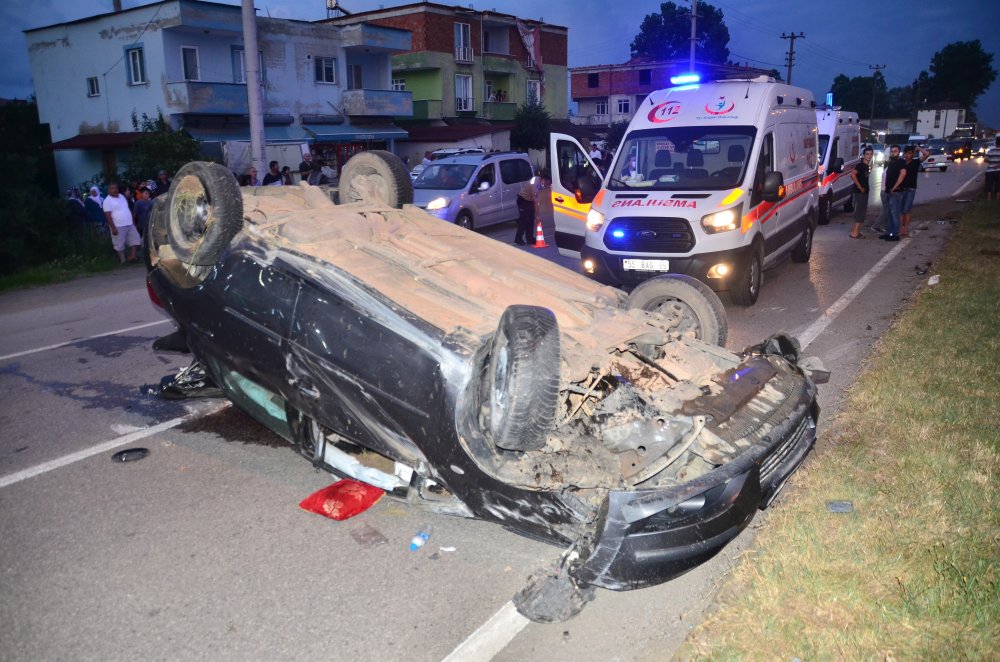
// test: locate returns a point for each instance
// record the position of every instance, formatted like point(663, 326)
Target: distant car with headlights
point(473, 190)
point(442, 153)
point(938, 160)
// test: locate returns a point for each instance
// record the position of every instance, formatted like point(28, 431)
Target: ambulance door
point(575, 182)
point(762, 213)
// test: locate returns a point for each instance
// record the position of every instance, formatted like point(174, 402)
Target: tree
point(961, 72)
point(667, 35)
point(159, 148)
point(531, 126)
point(855, 94)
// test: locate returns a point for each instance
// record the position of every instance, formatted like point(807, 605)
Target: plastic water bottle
point(419, 540)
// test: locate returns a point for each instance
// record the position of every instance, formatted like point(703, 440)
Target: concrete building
point(469, 66)
point(610, 93)
point(324, 86)
point(940, 120)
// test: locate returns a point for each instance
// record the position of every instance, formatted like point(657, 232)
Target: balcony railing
point(496, 110)
point(378, 103)
point(464, 104)
point(463, 54)
point(591, 120)
point(204, 97)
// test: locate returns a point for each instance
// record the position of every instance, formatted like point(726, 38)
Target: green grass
point(914, 572)
point(91, 256)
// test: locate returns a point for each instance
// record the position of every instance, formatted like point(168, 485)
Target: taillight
point(152, 295)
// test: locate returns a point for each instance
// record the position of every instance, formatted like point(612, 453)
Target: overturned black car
point(475, 379)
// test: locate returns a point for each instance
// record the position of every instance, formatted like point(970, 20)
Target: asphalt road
point(200, 551)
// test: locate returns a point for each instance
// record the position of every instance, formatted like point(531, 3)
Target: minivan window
point(487, 174)
point(445, 176)
point(515, 170)
point(683, 158)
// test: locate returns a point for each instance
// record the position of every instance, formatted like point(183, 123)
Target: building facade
point(323, 86)
point(940, 120)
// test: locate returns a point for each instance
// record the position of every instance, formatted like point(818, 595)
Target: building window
point(354, 78)
point(326, 69)
point(593, 80)
point(398, 84)
point(645, 76)
point(463, 42)
point(463, 93)
point(136, 66)
point(937, 119)
point(623, 107)
point(239, 66)
point(189, 61)
point(93, 87)
point(534, 91)
point(602, 108)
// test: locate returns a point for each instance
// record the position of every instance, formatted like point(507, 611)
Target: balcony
point(378, 103)
point(591, 120)
point(427, 109)
point(465, 105)
point(375, 39)
point(192, 96)
point(495, 110)
point(464, 54)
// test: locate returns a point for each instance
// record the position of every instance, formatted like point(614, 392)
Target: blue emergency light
point(618, 234)
point(684, 79)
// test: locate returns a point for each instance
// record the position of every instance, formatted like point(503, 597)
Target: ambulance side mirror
point(774, 187)
point(838, 165)
point(586, 189)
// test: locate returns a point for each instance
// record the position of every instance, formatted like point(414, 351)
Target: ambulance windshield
point(683, 158)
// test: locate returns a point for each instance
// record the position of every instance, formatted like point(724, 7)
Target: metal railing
point(463, 54)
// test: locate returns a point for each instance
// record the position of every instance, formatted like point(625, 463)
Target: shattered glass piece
point(130, 455)
point(368, 536)
point(840, 506)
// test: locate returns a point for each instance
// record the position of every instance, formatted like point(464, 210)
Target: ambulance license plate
point(645, 265)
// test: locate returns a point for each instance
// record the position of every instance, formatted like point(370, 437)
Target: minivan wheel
point(825, 209)
point(803, 250)
point(693, 304)
point(746, 289)
point(464, 220)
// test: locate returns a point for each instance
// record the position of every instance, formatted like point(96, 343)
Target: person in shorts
point(860, 176)
point(119, 220)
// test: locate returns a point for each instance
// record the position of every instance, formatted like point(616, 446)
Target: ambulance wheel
point(693, 306)
point(746, 289)
point(825, 209)
point(803, 250)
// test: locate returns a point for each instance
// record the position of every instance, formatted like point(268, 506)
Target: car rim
point(688, 318)
point(809, 241)
point(192, 207)
point(754, 276)
point(464, 222)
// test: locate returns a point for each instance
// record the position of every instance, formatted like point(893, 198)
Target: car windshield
point(446, 176)
point(683, 158)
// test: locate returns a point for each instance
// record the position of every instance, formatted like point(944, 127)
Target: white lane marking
point(491, 637)
point(966, 184)
point(73, 342)
point(817, 327)
point(65, 460)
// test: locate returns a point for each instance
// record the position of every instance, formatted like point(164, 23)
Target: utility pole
point(877, 68)
point(791, 51)
point(255, 102)
point(694, 25)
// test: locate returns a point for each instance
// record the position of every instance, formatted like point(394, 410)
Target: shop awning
point(273, 135)
point(99, 141)
point(354, 132)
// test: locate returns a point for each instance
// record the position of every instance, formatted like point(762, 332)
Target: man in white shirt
point(993, 170)
point(119, 219)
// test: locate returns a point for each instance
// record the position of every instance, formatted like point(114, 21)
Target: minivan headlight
point(438, 203)
point(595, 220)
point(723, 221)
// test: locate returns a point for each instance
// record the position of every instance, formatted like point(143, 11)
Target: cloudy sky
point(841, 37)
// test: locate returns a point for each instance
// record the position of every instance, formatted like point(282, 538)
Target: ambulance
point(712, 180)
point(839, 154)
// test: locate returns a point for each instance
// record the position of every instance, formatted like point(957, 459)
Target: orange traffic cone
point(540, 236)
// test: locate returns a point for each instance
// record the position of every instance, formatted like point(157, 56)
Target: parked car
point(442, 153)
point(473, 190)
point(470, 378)
point(937, 160)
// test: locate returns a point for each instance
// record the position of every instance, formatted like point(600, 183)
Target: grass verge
point(914, 572)
point(92, 255)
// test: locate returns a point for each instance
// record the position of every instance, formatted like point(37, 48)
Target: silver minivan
point(473, 190)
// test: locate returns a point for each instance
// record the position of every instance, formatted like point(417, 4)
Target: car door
point(486, 203)
point(569, 163)
point(513, 174)
point(766, 214)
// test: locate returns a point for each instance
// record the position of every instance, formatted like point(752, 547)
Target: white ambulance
point(839, 153)
point(714, 180)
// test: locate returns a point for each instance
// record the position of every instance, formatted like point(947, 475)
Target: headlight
point(722, 221)
point(595, 220)
point(437, 203)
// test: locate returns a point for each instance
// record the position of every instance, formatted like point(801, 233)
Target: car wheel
point(747, 287)
point(204, 212)
point(464, 220)
point(156, 232)
point(803, 250)
point(825, 209)
point(376, 177)
point(697, 308)
point(523, 378)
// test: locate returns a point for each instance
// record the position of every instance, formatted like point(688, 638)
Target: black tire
point(746, 289)
point(699, 307)
point(156, 231)
point(204, 212)
point(803, 250)
point(849, 205)
point(376, 177)
point(464, 220)
point(523, 378)
point(944, 169)
point(825, 209)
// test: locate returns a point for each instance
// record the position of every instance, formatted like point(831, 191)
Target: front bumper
point(609, 269)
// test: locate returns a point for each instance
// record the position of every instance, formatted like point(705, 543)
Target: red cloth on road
point(343, 499)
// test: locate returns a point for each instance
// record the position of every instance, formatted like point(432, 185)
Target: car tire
point(376, 177)
point(156, 232)
point(204, 210)
point(699, 307)
point(464, 220)
point(746, 289)
point(825, 209)
point(523, 378)
point(803, 250)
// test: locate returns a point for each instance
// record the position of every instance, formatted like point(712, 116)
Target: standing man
point(273, 175)
point(143, 205)
point(912, 168)
point(162, 183)
point(306, 166)
point(895, 173)
point(993, 170)
point(119, 220)
point(882, 222)
point(525, 212)
point(860, 175)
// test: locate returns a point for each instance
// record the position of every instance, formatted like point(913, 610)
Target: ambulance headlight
point(437, 203)
point(595, 220)
point(722, 221)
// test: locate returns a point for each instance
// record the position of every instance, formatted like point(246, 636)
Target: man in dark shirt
point(861, 190)
point(306, 166)
point(912, 167)
point(894, 175)
point(273, 175)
